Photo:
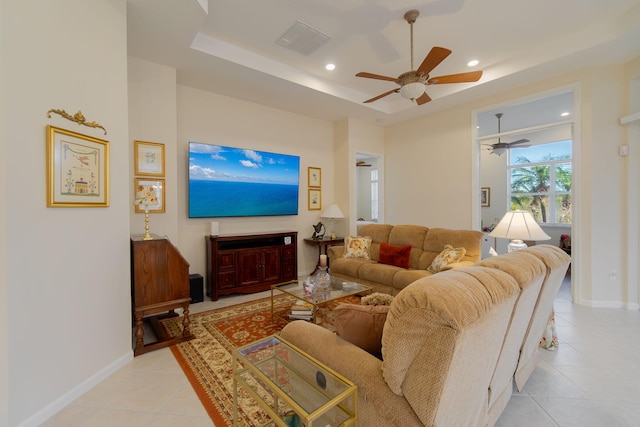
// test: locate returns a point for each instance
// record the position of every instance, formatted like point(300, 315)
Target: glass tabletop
point(309, 384)
point(339, 288)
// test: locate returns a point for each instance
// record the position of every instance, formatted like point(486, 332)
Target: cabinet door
point(289, 267)
point(248, 268)
point(271, 264)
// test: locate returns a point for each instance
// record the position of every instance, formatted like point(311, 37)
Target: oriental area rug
point(207, 359)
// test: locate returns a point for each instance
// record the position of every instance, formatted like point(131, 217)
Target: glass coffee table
point(339, 288)
point(292, 387)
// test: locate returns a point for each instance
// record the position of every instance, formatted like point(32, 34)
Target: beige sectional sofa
point(426, 244)
point(450, 344)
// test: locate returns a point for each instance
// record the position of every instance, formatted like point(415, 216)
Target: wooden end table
point(323, 243)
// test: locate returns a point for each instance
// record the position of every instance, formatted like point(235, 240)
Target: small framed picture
point(148, 158)
point(315, 177)
point(485, 197)
point(315, 200)
point(153, 191)
point(77, 170)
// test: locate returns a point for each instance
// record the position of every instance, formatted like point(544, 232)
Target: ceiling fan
point(413, 83)
point(500, 147)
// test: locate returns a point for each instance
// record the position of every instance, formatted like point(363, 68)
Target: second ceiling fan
point(500, 147)
point(413, 83)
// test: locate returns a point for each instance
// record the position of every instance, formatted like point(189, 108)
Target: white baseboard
point(55, 406)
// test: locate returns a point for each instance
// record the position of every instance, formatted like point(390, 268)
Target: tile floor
point(591, 380)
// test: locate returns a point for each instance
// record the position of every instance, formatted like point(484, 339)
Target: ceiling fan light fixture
point(499, 151)
point(412, 90)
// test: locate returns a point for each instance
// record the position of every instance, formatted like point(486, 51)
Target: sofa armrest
point(364, 370)
point(458, 265)
point(335, 252)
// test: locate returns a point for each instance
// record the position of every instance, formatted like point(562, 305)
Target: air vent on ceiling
point(302, 38)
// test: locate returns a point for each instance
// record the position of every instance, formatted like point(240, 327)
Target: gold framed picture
point(485, 197)
point(315, 177)
point(77, 170)
point(315, 200)
point(154, 191)
point(148, 158)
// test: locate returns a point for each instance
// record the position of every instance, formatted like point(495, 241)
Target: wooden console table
point(323, 243)
point(247, 263)
point(159, 283)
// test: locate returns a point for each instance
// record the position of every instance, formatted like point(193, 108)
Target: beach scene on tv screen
point(228, 181)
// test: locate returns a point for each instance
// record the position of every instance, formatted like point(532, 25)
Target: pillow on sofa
point(449, 255)
point(361, 325)
point(394, 255)
point(357, 247)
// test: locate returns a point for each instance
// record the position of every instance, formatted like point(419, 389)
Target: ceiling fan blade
point(472, 76)
point(381, 96)
point(423, 99)
point(433, 58)
point(376, 76)
point(520, 141)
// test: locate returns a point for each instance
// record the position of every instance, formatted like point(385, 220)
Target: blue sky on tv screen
point(218, 163)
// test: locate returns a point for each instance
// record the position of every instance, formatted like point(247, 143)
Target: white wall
point(428, 170)
point(210, 118)
point(153, 118)
point(66, 269)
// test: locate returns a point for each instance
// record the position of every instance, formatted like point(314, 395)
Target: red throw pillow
point(394, 255)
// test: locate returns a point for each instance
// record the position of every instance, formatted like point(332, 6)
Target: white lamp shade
point(519, 225)
point(332, 211)
point(412, 90)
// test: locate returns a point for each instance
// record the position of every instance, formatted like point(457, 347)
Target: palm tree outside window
point(540, 180)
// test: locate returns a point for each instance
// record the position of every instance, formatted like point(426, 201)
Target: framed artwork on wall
point(153, 190)
point(148, 158)
point(315, 177)
point(315, 200)
point(485, 197)
point(77, 169)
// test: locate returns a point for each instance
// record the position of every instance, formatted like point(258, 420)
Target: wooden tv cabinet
point(247, 263)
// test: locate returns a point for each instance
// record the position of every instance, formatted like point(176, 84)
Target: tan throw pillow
point(357, 247)
point(449, 255)
point(362, 325)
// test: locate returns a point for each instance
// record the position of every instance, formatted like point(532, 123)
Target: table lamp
point(146, 196)
point(332, 212)
point(518, 226)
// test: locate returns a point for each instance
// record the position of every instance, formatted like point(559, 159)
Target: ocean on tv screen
point(224, 199)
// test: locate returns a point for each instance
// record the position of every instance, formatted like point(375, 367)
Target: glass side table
point(338, 289)
point(292, 387)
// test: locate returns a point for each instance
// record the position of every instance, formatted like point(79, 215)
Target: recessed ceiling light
point(330, 67)
point(472, 63)
point(565, 114)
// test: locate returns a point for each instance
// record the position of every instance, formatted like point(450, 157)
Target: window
point(540, 181)
point(374, 194)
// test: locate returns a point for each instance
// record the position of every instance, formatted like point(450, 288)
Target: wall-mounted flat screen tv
point(231, 182)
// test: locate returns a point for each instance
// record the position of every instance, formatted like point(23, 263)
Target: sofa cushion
point(447, 256)
point(378, 232)
point(362, 325)
point(394, 255)
point(436, 238)
point(357, 247)
point(379, 273)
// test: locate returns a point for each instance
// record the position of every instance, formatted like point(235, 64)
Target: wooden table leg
point(186, 321)
point(139, 335)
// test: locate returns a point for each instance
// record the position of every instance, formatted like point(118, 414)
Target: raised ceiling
point(231, 47)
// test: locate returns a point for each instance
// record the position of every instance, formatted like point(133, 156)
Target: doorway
point(526, 151)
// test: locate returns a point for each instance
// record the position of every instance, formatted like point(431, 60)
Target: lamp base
point(516, 245)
